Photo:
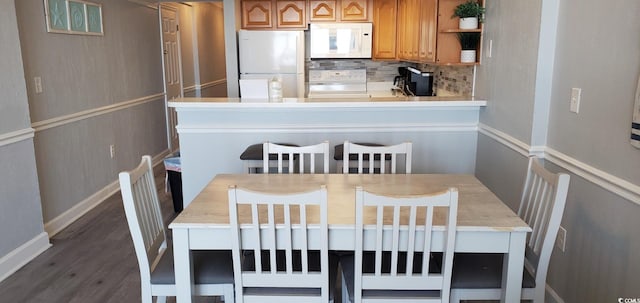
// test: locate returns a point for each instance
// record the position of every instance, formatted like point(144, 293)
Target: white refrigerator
point(269, 54)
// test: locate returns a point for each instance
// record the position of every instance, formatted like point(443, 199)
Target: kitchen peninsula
point(213, 132)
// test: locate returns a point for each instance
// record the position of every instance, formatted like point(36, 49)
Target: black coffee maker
point(421, 83)
point(401, 80)
point(414, 82)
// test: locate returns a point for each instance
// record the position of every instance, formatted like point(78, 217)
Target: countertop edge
point(237, 103)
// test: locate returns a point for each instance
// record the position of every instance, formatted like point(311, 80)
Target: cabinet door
point(428, 31)
point(322, 10)
point(402, 24)
point(353, 10)
point(256, 14)
point(384, 29)
point(291, 14)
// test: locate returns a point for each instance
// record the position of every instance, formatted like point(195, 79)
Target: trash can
point(174, 179)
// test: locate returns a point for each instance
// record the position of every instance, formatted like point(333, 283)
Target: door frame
point(168, 6)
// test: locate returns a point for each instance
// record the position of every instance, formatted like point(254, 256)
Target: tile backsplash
point(449, 80)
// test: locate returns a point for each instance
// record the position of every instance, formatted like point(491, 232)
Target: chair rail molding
point(213, 83)
point(607, 181)
point(66, 119)
point(16, 136)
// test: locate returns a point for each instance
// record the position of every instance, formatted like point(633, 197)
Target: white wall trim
point(555, 298)
point(62, 120)
point(20, 256)
point(506, 139)
point(16, 136)
point(614, 184)
point(210, 84)
point(189, 89)
point(609, 182)
point(328, 128)
point(65, 219)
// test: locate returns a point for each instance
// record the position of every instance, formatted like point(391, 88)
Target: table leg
point(513, 267)
point(183, 266)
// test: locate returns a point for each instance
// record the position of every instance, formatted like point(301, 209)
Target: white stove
point(345, 83)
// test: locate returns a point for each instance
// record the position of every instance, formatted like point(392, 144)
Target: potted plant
point(470, 13)
point(468, 44)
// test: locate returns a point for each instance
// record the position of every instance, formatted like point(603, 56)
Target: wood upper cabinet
point(384, 29)
point(354, 10)
point(428, 30)
point(322, 10)
point(256, 14)
point(291, 14)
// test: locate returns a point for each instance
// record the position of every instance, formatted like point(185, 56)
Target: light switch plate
point(574, 106)
point(37, 83)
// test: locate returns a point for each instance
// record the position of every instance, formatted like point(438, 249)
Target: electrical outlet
point(37, 83)
point(561, 239)
point(576, 93)
point(489, 48)
point(112, 151)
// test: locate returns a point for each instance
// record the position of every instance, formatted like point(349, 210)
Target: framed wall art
point(74, 17)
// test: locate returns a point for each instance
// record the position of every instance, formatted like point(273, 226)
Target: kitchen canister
point(275, 90)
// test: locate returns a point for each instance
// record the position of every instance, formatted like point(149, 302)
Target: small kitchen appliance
point(421, 83)
point(414, 82)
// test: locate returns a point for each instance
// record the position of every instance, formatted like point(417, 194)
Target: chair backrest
point(377, 154)
point(301, 154)
point(542, 205)
point(416, 246)
point(277, 232)
point(142, 209)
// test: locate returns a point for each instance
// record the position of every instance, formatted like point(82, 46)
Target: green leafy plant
point(469, 41)
point(469, 9)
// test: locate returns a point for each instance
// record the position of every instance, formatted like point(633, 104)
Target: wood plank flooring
point(92, 260)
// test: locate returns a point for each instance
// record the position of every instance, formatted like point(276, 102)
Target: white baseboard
point(551, 293)
point(65, 219)
point(20, 256)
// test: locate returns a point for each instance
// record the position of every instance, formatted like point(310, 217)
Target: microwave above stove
point(340, 40)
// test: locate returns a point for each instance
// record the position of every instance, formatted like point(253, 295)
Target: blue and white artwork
point(74, 17)
point(635, 124)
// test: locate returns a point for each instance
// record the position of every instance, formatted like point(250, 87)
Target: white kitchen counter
point(213, 132)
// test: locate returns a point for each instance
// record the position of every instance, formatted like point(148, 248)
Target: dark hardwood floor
point(92, 260)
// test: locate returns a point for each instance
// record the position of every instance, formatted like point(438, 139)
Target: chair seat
point(347, 263)
point(254, 152)
point(479, 271)
point(339, 150)
point(210, 267)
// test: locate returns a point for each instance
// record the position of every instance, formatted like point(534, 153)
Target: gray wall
point(597, 49)
point(85, 73)
point(209, 22)
point(21, 215)
point(507, 79)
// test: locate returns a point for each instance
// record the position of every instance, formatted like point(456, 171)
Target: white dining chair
point(281, 255)
point(305, 156)
point(479, 276)
point(402, 268)
point(213, 272)
point(382, 158)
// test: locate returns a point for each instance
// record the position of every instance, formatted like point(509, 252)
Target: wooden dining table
point(485, 223)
